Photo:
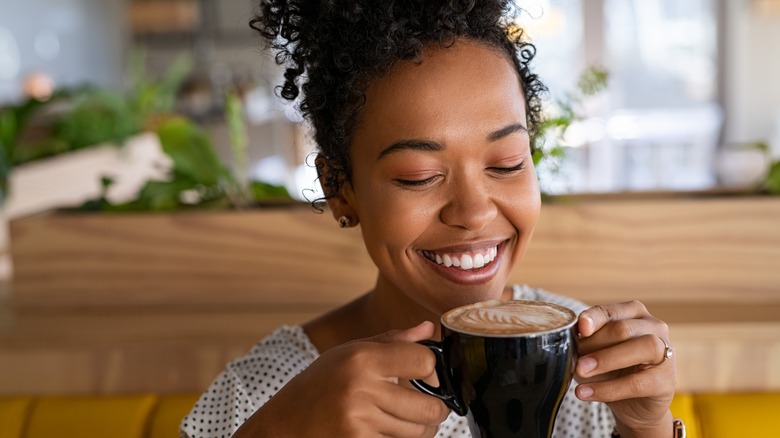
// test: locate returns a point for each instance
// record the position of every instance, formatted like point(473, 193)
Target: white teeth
point(479, 261)
point(464, 261)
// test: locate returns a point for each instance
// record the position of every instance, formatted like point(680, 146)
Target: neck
point(386, 308)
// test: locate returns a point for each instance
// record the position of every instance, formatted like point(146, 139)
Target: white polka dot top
point(248, 382)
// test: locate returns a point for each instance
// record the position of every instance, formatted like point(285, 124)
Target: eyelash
point(415, 183)
point(423, 182)
point(508, 170)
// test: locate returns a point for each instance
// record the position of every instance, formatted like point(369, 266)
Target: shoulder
point(249, 382)
point(524, 292)
point(272, 363)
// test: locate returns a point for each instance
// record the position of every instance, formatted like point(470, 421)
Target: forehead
point(463, 89)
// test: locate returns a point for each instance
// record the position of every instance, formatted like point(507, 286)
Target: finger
point(620, 331)
point(392, 427)
point(384, 424)
point(655, 382)
point(644, 350)
point(421, 331)
point(593, 319)
point(394, 360)
point(413, 406)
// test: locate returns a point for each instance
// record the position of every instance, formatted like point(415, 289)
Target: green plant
point(197, 178)
point(548, 141)
point(772, 181)
point(82, 117)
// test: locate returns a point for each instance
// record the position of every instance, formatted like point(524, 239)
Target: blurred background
point(660, 156)
point(687, 82)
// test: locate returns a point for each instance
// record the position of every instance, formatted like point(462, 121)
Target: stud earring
point(344, 221)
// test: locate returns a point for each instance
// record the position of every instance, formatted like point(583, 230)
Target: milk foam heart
point(508, 317)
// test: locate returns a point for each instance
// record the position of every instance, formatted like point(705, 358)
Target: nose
point(469, 205)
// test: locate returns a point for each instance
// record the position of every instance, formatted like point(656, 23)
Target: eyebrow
point(432, 146)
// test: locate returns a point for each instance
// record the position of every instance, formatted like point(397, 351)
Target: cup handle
point(445, 392)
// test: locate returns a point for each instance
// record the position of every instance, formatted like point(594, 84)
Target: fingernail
point(584, 391)
point(588, 321)
point(587, 364)
point(584, 325)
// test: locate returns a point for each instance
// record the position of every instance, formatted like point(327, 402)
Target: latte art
point(508, 317)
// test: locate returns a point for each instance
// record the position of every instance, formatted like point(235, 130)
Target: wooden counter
point(112, 304)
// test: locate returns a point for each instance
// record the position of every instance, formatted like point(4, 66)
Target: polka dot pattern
point(249, 382)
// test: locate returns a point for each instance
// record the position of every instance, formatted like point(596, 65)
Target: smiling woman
point(423, 113)
point(458, 182)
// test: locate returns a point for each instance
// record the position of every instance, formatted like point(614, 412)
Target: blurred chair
point(90, 417)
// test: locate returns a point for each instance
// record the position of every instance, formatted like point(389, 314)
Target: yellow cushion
point(739, 415)
point(91, 417)
point(13, 413)
point(683, 408)
point(169, 413)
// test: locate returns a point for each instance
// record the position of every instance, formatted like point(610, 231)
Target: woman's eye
point(415, 182)
point(509, 170)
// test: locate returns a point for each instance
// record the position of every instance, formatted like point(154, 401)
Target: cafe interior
point(155, 214)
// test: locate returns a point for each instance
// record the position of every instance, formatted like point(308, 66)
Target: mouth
point(470, 260)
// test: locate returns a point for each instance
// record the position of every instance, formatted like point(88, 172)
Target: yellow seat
point(684, 409)
point(739, 415)
point(91, 417)
point(168, 415)
point(13, 413)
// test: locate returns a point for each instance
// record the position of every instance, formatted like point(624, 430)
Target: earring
point(344, 221)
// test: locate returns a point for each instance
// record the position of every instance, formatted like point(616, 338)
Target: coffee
point(508, 317)
point(505, 365)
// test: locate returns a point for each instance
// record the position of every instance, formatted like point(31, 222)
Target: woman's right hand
point(357, 389)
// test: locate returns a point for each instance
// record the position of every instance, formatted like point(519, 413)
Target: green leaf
point(234, 116)
point(191, 152)
point(263, 191)
point(772, 182)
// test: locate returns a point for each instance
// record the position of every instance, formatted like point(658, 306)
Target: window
point(657, 125)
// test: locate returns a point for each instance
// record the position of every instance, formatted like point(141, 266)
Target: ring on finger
point(668, 353)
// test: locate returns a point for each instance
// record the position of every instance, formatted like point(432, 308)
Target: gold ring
point(668, 353)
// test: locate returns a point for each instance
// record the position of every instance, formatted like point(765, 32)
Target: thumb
point(421, 331)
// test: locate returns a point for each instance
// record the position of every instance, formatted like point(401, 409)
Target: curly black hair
point(333, 49)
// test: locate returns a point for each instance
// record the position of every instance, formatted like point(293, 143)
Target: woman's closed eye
point(508, 170)
point(415, 182)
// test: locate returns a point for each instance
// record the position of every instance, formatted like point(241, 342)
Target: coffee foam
point(508, 317)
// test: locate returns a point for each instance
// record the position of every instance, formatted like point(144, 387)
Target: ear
point(338, 190)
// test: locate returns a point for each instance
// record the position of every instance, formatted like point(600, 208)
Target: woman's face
point(443, 182)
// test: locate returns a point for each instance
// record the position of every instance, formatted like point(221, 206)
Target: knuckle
point(664, 328)
point(640, 384)
point(434, 412)
point(419, 361)
point(638, 306)
point(425, 362)
point(353, 391)
point(604, 311)
point(623, 329)
point(654, 343)
point(356, 355)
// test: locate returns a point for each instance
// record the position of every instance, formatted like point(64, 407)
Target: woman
point(423, 112)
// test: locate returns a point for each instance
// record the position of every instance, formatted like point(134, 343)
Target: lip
point(472, 276)
point(469, 246)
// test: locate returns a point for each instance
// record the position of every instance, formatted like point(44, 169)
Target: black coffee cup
point(505, 365)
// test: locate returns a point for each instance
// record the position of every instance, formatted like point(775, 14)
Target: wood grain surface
point(127, 303)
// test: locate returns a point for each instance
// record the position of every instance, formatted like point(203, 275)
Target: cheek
point(389, 218)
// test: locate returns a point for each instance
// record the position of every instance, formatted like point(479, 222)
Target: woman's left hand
point(623, 363)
